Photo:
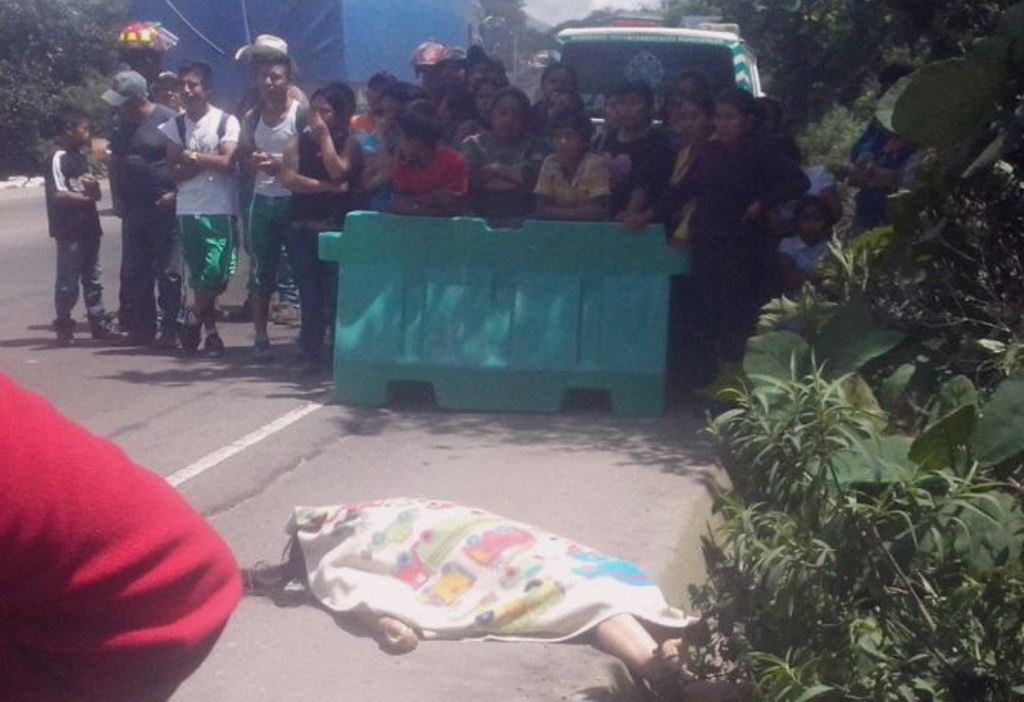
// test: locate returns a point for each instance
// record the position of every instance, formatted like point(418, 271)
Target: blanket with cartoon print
point(457, 572)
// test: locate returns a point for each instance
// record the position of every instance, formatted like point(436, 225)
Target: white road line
point(214, 459)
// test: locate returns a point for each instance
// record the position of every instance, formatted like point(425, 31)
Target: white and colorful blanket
point(462, 573)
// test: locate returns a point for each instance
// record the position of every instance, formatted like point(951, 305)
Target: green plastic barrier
point(503, 320)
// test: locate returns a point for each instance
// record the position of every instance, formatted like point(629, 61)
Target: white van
point(605, 57)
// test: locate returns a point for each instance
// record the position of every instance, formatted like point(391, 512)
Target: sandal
point(274, 582)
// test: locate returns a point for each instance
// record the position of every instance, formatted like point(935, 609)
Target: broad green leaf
point(894, 386)
point(776, 355)
point(851, 339)
point(947, 101)
point(877, 459)
point(999, 435)
point(859, 394)
point(994, 532)
point(992, 346)
point(867, 635)
point(991, 49)
point(937, 445)
point(956, 393)
point(1011, 25)
point(887, 104)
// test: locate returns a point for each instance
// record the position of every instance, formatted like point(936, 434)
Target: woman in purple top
point(735, 180)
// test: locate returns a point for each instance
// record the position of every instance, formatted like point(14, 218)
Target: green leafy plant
point(847, 570)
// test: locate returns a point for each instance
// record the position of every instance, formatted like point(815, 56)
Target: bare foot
point(395, 636)
point(675, 654)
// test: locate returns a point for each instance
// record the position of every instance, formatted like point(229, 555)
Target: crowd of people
point(716, 169)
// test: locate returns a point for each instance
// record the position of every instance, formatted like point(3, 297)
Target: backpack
point(222, 127)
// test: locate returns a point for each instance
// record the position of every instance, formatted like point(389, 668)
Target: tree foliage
point(815, 53)
point(49, 51)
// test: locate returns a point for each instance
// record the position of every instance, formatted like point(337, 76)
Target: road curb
point(20, 182)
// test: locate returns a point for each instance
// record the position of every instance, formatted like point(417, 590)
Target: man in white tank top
point(266, 130)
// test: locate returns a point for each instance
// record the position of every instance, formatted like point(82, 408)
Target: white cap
point(265, 45)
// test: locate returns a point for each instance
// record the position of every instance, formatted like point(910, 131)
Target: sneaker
point(168, 339)
point(213, 345)
point(190, 336)
point(261, 351)
point(103, 330)
point(65, 329)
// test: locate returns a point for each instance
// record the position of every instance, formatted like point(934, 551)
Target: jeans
point(78, 264)
point(151, 256)
point(317, 281)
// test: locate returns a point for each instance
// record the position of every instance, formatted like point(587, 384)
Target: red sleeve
point(103, 566)
point(456, 173)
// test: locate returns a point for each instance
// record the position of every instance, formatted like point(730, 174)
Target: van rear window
point(602, 65)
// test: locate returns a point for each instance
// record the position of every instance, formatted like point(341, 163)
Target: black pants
point(318, 284)
point(151, 256)
point(719, 304)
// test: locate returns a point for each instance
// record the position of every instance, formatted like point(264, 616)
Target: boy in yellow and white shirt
point(573, 184)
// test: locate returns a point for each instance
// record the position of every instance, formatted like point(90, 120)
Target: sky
point(555, 11)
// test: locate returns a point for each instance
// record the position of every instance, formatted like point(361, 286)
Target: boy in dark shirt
point(640, 156)
point(71, 197)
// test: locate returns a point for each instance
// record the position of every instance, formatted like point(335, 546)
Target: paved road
point(245, 443)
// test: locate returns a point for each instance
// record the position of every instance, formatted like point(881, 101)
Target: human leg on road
point(138, 304)
point(451, 556)
point(207, 243)
point(170, 292)
point(92, 290)
point(314, 278)
point(273, 581)
point(65, 293)
point(266, 232)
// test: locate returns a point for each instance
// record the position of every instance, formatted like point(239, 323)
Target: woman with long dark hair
point(321, 168)
point(734, 180)
point(504, 161)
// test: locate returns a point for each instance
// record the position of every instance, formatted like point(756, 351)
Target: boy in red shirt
point(429, 179)
point(113, 588)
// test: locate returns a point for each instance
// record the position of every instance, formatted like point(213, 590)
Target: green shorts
point(268, 223)
point(208, 246)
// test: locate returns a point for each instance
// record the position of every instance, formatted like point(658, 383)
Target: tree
point(50, 50)
point(815, 53)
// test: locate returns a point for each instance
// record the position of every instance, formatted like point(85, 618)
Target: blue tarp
point(394, 28)
point(329, 39)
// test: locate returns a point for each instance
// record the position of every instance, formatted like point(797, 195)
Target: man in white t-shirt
point(201, 153)
point(266, 130)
